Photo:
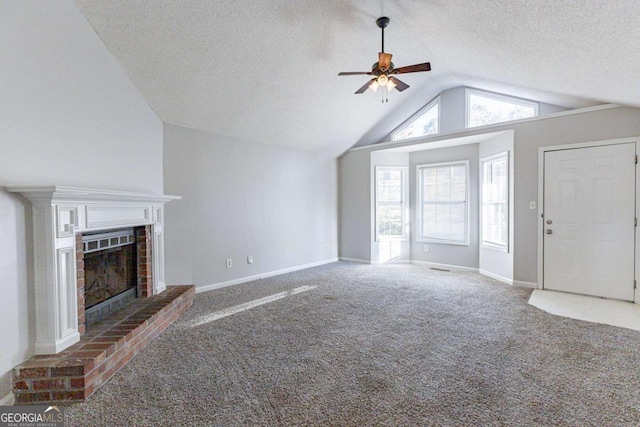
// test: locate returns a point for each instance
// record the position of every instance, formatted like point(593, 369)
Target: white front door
point(589, 215)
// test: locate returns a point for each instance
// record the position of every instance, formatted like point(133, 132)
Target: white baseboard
point(356, 260)
point(447, 266)
point(8, 400)
point(206, 288)
point(391, 261)
point(522, 284)
point(496, 277)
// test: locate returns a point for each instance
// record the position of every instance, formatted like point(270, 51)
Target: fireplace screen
point(109, 265)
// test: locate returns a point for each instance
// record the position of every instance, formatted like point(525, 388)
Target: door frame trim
point(540, 230)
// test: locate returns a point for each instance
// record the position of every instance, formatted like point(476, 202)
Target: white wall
point(68, 116)
point(457, 255)
point(244, 199)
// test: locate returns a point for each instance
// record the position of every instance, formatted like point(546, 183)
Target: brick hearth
point(77, 372)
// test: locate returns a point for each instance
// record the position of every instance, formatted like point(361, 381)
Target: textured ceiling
point(266, 71)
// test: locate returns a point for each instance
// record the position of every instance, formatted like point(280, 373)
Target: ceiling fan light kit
point(384, 70)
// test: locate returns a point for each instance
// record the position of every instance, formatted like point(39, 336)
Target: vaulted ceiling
point(266, 71)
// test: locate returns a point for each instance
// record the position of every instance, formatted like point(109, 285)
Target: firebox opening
point(110, 272)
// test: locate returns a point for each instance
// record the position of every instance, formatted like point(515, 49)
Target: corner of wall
point(6, 389)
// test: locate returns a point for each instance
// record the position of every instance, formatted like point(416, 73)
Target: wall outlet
point(249, 260)
point(532, 204)
point(425, 248)
point(229, 263)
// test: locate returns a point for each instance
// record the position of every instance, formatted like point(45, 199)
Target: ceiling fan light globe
point(374, 86)
point(382, 80)
point(391, 85)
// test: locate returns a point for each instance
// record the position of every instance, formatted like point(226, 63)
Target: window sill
point(443, 242)
point(495, 248)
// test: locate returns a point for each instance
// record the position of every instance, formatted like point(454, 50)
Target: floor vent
point(439, 269)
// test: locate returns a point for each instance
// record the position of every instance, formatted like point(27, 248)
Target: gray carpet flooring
point(392, 345)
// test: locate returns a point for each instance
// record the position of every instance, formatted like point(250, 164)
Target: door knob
point(549, 231)
point(549, 222)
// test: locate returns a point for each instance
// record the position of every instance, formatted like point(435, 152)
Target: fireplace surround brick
point(80, 283)
point(77, 372)
point(145, 260)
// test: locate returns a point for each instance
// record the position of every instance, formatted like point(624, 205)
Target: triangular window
point(424, 122)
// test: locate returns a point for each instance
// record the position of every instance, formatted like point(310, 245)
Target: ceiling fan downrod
point(382, 23)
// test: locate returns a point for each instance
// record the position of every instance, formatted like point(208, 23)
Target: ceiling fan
point(384, 71)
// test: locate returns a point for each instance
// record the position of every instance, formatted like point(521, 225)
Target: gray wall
point(69, 116)
point(492, 261)
point(529, 136)
point(355, 205)
point(452, 110)
point(458, 255)
point(244, 199)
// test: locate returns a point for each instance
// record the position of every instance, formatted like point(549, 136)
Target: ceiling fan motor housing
point(375, 68)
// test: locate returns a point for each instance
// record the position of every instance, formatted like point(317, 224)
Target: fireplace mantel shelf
point(56, 193)
point(59, 214)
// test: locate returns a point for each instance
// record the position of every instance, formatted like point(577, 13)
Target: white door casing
point(588, 222)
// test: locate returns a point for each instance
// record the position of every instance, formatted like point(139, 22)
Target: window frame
point(499, 97)
point(492, 245)
point(404, 204)
point(420, 203)
point(434, 102)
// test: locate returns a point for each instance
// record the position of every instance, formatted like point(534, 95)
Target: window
point(424, 122)
point(484, 108)
point(443, 208)
point(391, 203)
point(495, 201)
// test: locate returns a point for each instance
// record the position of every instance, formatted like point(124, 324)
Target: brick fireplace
point(119, 263)
point(77, 372)
point(74, 354)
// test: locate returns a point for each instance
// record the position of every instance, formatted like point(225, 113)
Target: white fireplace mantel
point(58, 214)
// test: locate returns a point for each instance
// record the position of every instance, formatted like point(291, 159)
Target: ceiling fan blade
point(400, 85)
point(412, 68)
point(384, 61)
point(365, 87)
point(355, 73)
